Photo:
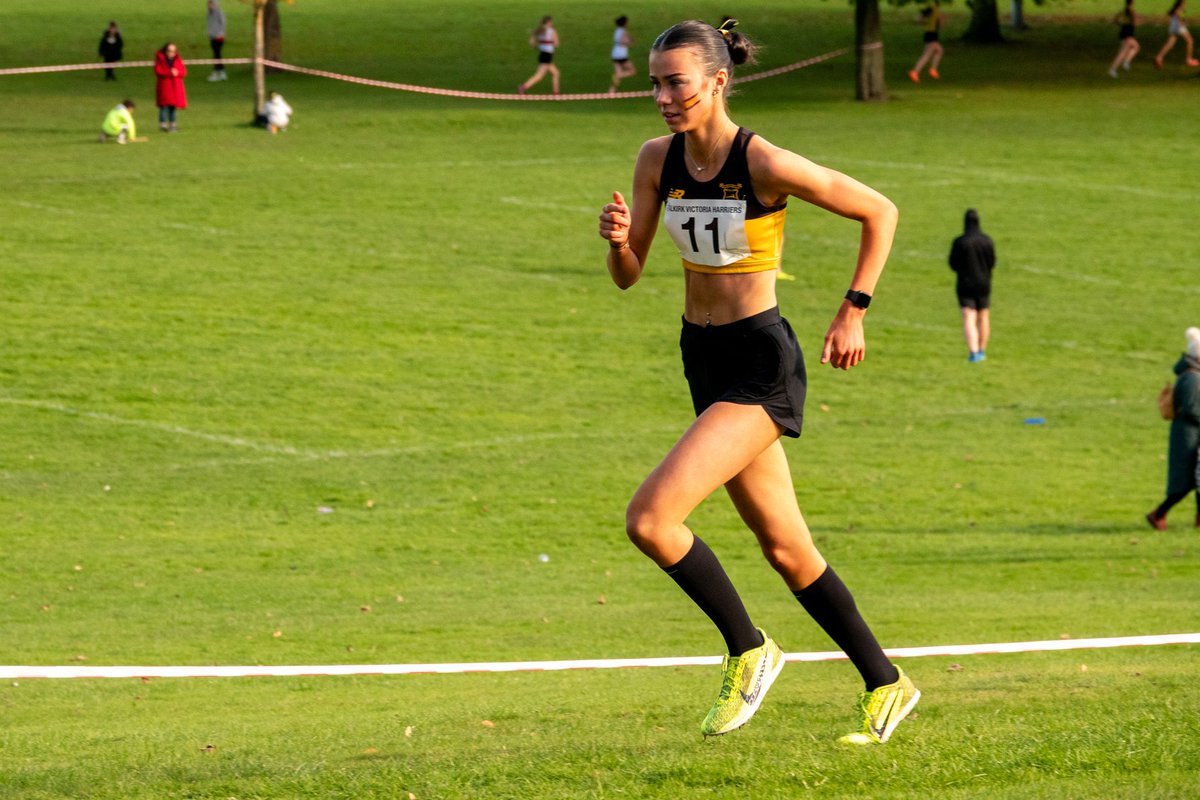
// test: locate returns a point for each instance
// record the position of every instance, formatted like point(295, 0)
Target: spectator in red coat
point(170, 93)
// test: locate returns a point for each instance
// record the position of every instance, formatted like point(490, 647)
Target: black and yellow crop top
point(719, 225)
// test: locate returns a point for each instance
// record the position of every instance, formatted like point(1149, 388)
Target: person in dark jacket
point(111, 46)
point(972, 257)
point(1185, 434)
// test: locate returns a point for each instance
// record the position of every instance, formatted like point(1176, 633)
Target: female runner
point(1128, 47)
point(545, 39)
point(622, 66)
point(1176, 28)
point(725, 192)
point(933, 50)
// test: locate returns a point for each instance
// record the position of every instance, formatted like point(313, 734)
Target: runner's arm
point(785, 173)
point(630, 232)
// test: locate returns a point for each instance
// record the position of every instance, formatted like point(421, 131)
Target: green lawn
point(398, 312)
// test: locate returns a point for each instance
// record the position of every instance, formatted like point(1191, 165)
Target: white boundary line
point(178, 430)
point(322, 455)
point(19, 672)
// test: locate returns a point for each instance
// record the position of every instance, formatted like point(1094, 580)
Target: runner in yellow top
point(722, 193)
point(932, 54)
point(718, 223)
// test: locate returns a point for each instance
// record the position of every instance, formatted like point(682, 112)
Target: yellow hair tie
point(727, 27)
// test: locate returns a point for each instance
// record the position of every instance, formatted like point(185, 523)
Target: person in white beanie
point(277, 112)
point(1182, 468)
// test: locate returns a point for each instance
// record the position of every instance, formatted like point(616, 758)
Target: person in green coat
point(119, 124)
point(1185, 434)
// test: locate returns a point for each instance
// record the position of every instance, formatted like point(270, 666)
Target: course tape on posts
point(408, 87)
point(115, 65)
point(16, 673)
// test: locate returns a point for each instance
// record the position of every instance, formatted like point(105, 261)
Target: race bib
point(708, 232)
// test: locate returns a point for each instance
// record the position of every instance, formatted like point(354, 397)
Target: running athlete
point(622, 66)
point(1177, 29)
point(932, 54)
point(725, 192)
point(1127, 20)
point(545, 39)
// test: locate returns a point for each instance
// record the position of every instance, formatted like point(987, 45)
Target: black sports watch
point(859, 299)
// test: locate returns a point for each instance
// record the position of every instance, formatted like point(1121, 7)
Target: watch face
point(859, 299)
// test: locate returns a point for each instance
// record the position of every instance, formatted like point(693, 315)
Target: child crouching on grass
point(277, 112)
point(119, 124)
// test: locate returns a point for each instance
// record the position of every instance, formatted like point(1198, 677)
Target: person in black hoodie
point(972, 257)
point(111, 46)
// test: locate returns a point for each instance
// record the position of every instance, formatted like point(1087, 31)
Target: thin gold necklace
point(711, 151)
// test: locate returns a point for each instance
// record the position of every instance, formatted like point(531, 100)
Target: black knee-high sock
point(828, 601)
point(701, 575)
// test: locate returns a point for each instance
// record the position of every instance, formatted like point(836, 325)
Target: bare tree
point(868, 41)
point(268, 45)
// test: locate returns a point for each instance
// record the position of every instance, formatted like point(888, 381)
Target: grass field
point(325, 397)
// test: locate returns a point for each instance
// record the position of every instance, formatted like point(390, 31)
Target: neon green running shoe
point(747, 679)
point(882, 711)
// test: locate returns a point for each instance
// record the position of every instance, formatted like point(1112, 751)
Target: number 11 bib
point(710, 233)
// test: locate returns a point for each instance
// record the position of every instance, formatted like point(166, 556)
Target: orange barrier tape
point(408, 87)
point(115, 65)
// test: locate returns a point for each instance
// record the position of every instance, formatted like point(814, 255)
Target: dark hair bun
point(741, 49)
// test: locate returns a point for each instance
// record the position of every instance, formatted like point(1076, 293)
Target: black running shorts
point(980, 301)
point(753, 361)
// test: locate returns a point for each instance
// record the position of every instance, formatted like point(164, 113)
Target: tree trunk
point(868, 52)
point(272, 30)
point(1017, 23)
point(985, 23)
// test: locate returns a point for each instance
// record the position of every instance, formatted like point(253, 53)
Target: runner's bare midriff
point(713, 299)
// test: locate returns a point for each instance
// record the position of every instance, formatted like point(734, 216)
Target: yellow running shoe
point(882, 711)
point(747, 679)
